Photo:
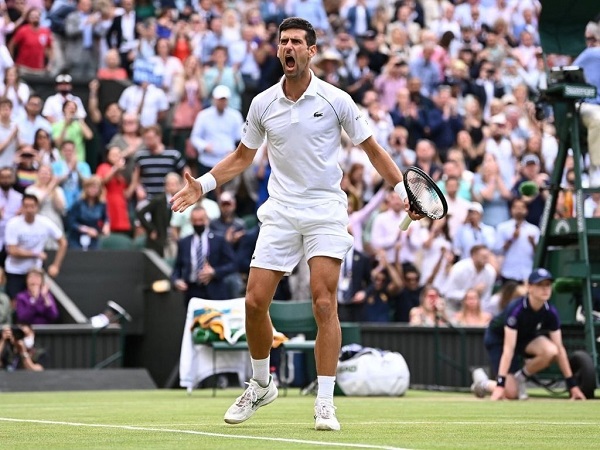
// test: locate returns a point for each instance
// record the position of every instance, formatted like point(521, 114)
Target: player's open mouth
point(290, 62)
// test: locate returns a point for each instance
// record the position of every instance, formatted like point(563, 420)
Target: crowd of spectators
point(447, 86)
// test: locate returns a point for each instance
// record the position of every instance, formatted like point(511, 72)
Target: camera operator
point(16, 348)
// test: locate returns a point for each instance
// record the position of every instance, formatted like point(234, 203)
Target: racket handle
point(405, 223)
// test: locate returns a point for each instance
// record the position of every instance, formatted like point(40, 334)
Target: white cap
point(221, 91)
point(474, 206)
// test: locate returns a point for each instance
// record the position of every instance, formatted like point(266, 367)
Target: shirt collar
point(310, 91)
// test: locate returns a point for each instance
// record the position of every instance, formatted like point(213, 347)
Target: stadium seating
point(116, 241)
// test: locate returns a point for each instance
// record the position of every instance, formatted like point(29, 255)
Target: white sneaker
point(521, 385)
point(325, 416)
point(253, 398)
point(480, 381)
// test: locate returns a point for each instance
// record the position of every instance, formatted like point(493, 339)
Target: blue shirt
point(519, 316)
point(72, 185)
point(589, 61)
point(82, 213)
point(313, 11)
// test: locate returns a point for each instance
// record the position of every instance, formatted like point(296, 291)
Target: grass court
point(170, 419)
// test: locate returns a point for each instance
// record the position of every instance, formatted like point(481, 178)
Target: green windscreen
point(562, 24)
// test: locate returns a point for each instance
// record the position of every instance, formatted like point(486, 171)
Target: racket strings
point(425, 196)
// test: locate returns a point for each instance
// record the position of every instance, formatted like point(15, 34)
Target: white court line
point(202, 433)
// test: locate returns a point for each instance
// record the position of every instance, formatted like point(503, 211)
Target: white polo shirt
point(155, 101)
point(304, 140)
point(518, 258)
point(29, 236)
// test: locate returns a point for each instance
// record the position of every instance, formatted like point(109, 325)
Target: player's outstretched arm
point(194, 188)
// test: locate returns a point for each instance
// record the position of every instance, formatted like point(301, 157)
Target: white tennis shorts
point(287, 233)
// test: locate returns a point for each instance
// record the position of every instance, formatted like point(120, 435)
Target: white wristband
point(401, 190)
point(208, 183)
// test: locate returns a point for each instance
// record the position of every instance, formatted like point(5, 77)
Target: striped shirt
point(155, 167)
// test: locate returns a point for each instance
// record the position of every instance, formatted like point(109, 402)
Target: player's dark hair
point(296, 23)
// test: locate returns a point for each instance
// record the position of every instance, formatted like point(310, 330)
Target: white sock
point(260, 370)
point(326, 385)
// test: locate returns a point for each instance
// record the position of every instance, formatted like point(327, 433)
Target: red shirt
point(31, 44)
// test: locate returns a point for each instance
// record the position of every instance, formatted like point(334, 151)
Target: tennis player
point(302, 118)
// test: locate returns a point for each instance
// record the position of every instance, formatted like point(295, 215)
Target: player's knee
point(255, 306)
point(324, 308)
point(551, 351)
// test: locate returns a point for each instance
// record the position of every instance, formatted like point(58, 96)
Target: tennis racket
point(424, 196)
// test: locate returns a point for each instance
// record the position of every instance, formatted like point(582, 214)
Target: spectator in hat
point(233, 229)
point(217, 130)
point(328, 66)
point(228, 225)
point(53, 107)
point(531, 172)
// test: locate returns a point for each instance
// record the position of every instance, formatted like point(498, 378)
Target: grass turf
point(169, 419)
